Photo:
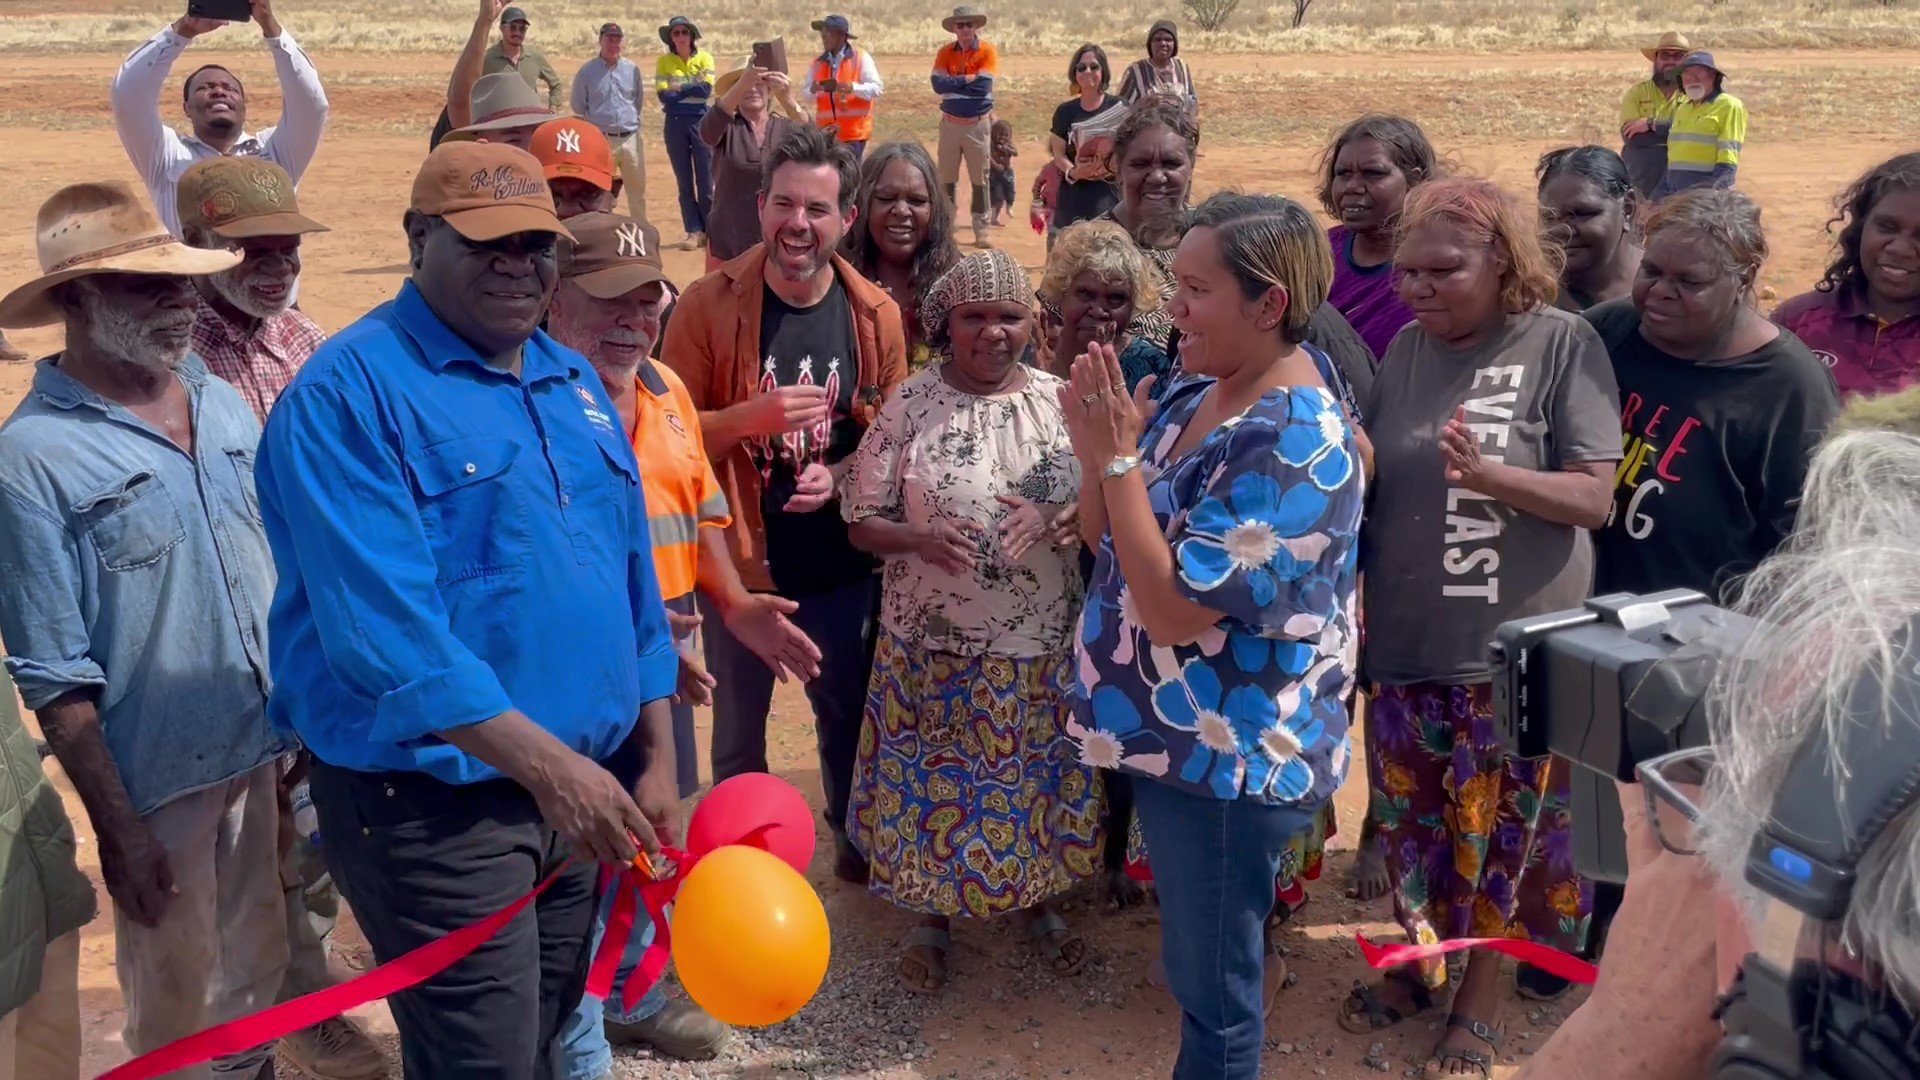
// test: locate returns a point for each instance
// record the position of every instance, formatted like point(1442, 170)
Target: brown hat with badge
point(485, 191)
point(610, 255)
point(238, 197)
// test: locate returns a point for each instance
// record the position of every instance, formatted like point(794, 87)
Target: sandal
point(1363, 1012)
point(1482, 1062)
point(1065, 954)
point(925, 972)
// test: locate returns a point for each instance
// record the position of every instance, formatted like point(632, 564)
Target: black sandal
point(1483, 1062)
point(1363, 1005)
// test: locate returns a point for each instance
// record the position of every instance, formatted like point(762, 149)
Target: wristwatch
point(1121, 466)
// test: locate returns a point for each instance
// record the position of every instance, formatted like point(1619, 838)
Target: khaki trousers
point(966, 144)
point(630, 156)
point(41, 1039)
point(220, 951)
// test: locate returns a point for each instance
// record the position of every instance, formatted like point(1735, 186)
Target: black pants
point(841, 623)
point(417, 858)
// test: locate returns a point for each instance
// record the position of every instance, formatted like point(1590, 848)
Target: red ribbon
point(269, 1025)
point(1545, 957)
point(631, 889)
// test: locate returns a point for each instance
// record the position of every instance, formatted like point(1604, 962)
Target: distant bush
point(1213, 14)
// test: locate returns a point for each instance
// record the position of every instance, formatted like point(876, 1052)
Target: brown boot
point(682, 1031)
point(334, 1049)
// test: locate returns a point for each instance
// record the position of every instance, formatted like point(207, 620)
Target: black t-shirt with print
point(1080, 200)
point(810, 552)
point(1714, 459)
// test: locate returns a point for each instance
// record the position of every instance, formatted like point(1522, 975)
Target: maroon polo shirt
point(1866, 355)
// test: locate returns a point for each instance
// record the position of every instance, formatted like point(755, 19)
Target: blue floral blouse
point(1264, 519)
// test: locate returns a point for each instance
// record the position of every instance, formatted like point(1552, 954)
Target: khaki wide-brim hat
point(502, 101)
point(964, 14)
point(1671, 41)
point(725, 83)
point(101, 228)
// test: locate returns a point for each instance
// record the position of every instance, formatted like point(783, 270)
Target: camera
point(1606, 686)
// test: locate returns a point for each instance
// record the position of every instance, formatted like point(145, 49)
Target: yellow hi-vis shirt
point(1704, 134)
point(1644, 101)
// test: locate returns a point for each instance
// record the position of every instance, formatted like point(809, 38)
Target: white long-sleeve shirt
point(160, 154)
point(868, 86)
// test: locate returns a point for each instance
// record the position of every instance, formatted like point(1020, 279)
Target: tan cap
point(611, 254)
point(486, 191)
point(239, 197)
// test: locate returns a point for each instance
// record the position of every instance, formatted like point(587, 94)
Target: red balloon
point(737, 807)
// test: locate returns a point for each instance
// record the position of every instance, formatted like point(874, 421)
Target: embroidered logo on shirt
point(591, 408)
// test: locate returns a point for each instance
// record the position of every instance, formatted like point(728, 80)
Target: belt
point(969, 120)
point(617, 134)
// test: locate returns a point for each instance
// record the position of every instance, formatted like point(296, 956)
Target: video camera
point(1606, 686)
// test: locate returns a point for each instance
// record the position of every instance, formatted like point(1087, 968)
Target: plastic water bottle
point(306, 821)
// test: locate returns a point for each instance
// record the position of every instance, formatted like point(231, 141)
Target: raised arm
point(466, 69)
point(153, 147)
point(304, 109)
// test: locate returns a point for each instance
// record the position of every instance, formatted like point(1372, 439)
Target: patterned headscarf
point(983, 277)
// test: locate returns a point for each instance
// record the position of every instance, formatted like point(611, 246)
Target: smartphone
point(228, 10)
point(771, 55)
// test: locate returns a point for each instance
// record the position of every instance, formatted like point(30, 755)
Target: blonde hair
point(1490, 216)
point(1104, 248)
point(1271, 242)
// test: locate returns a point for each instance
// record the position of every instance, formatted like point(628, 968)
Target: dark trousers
point(859, 148)
point(841, 623)
point(692, 161)
point(417, 859)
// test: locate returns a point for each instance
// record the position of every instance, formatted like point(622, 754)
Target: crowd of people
point(1070, 569)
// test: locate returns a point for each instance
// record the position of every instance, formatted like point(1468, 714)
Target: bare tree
point(1300, 12)
point(1213, 14)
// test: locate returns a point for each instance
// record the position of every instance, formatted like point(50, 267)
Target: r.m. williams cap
point(485, 191)
point(572, 147)
point(610, 254)
point(239, 196)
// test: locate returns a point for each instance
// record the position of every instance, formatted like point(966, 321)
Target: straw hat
point(502, 101)
point(725, 83)
point(101, 228)
point(1671, 41)
point(964, 14)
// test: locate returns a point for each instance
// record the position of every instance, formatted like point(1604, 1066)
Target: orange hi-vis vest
point(851, 117)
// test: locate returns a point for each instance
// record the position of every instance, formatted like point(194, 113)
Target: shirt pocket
point(607, 503)
point(469, 509)
point(242, 459)
point(133, 521)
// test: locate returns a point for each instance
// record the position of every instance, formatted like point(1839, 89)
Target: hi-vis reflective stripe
point(672, 530)
point(1709, 140)
point(714, 508)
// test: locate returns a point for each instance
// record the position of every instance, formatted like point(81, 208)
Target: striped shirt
point(951, 65)
point(260, 360)
point(682, 494)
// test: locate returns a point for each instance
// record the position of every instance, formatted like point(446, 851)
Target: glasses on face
point(682, 33)
point(1673, 783)
point(1671, 57)
point(1081, 68)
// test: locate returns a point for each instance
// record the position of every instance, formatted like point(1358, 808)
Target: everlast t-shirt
point(1445, 565)
point(811, 346)
point(1716, 454)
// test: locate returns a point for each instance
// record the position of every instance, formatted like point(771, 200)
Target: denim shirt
point(455, 541)
point(137, 569)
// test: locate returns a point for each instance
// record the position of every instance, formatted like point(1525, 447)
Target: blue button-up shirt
point(609, 95)
point(454, 541)
point(139, 571)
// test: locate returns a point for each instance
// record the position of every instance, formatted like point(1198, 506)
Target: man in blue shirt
point(134, 600)
point(608, 91)
point(468, 635)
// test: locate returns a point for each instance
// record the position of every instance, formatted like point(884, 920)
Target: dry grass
point(565, 27)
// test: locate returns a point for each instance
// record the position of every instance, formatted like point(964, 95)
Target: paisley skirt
point(968, 796)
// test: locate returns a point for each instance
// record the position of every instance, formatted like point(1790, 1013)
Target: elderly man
point(607, 307)
point(609, 90)
point(509, 55)
point(248, 333)
point(134, 608)
point(468, 636)
point(844, 82)
point(963, 76)
point(787, 352)
point(216, 106)
point(503, 111)
point(1643, 143)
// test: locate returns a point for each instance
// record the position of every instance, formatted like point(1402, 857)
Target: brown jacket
point(713, 344)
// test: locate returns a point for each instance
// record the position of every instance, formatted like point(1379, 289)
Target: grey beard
point(231, 287)
point(116, 334)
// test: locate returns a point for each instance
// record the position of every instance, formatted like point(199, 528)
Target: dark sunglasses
point(1085, 67)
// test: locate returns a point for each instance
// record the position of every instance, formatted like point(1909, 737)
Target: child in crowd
point(1000, 170)
point(1046, 186)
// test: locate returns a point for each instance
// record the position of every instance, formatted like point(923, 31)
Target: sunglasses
point(1085, 67)
point(682, 33)
point(1672, 54)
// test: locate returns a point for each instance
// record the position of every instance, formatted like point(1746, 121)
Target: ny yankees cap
point(611, 254)
point(485, 191)
point(574, 148)
point(239, 197)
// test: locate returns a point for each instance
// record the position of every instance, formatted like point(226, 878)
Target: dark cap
point(835, 22)
point(610, 255)
point(513, 15)
point(611, 28)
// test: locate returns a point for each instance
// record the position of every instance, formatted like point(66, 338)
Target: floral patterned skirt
point(968, 796)
point(1477, 843)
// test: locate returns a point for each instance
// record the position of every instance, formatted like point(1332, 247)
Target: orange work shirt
point(683, 496)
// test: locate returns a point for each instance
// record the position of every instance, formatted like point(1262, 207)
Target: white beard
point(231, 286)
point(1697, 95)
point(118, 334)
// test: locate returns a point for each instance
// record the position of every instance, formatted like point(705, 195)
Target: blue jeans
point(1214, 862)
point(692, 161)
point(584, 1053)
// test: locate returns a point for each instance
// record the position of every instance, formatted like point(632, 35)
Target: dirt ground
point(1000, 1016)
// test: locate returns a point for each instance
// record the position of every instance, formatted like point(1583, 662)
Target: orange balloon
point(750, 940)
